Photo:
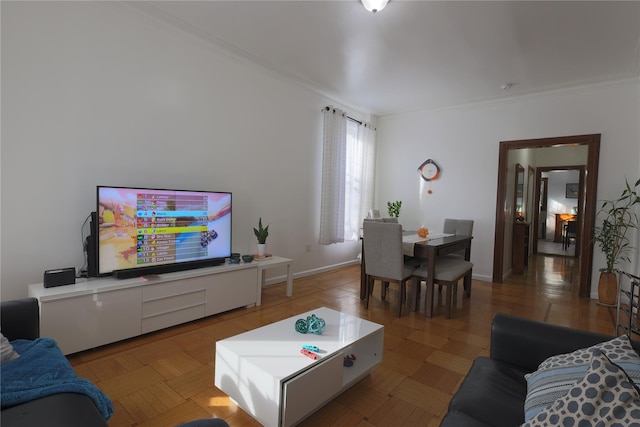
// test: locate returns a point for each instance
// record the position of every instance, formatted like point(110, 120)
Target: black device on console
point(59, 277)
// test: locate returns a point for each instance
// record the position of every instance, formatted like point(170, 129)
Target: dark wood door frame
point(588, 201)
point(540, 205)
point(536, 213)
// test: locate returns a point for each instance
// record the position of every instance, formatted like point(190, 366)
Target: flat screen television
point(143, 231)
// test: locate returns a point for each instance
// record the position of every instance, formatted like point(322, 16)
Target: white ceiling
point(418, 55)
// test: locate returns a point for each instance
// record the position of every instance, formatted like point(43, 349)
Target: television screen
point(142, 228)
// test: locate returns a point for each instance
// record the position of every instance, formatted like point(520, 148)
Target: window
point(347, 176)
point(358, 182)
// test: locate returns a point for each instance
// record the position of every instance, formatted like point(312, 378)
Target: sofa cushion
point(616, 349)
point(42, 370)
point(56, 410)
point(7, 353)
point(556, 375)
point(460, 419)
point(493, 393)
point(604, 396)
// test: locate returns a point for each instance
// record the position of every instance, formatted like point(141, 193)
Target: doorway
point(553, 219)
point(504, 216)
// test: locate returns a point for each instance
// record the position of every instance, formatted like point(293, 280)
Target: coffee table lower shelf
point(264, 373)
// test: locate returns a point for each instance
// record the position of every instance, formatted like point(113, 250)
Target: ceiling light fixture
point(374, 5)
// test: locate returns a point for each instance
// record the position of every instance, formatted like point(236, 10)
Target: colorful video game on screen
point(143, 227)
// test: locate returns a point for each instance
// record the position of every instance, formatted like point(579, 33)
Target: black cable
point(83, 272)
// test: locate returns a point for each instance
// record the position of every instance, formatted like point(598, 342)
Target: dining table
point(427, 249)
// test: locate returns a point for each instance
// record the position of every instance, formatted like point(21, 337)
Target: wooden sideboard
point(520, 247)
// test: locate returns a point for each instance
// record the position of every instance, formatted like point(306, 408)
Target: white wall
point(97, 93)
point(464, 141)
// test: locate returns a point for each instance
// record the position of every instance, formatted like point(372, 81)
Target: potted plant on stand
point(616, 218)
point(261, 234)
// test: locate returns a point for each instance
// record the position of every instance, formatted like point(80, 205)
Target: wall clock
point(429, 170)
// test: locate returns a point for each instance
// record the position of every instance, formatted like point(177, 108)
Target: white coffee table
point(264, 373)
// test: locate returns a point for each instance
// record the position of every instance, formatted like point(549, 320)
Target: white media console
point(100, 311)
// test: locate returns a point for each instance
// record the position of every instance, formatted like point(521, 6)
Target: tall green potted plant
point(261, 234)
point(613, 222)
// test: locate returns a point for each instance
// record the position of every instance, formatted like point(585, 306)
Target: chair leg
point(403, 296)
point(416, 283)
point(383, 292)
point(368, 281)
point(449, 302)
point(429, 300)
point(467, 284)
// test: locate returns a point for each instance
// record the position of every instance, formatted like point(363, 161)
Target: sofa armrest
point(20, 319)
point(526, 343)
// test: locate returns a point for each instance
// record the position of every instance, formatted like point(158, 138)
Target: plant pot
point(262, 249)
point(608, 289)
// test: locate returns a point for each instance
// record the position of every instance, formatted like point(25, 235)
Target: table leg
point(431, 260)
point(363, 276)
point(260, 285)
point(289, 281)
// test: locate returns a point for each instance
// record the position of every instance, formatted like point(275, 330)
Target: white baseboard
point(283, 278)
point(299, 274)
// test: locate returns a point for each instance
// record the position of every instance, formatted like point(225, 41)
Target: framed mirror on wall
point(531, 182)
point(542, 211)
point(519, 196)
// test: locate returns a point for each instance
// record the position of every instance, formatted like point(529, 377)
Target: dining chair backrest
point(372, 220)
point(450, 225)
point(391, 219)
point(460, 227)
point(465, 227)
point(383, 249)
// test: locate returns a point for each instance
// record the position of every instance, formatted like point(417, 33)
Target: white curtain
point(332, 202)
point(359, 181)
point(369, 159)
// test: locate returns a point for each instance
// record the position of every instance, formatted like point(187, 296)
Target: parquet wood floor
point(166, 378)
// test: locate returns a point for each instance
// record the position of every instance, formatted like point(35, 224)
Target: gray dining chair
point(384, 260)
point(459, 227)
point(448, 271)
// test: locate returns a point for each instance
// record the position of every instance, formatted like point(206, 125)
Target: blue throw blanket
point(42, 370)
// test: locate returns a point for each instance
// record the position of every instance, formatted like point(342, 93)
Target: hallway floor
point(549, 247)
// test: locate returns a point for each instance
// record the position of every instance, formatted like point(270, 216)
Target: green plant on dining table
point(617, 217)
point(393, 208)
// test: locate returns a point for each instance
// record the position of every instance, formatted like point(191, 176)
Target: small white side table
point(273, 262)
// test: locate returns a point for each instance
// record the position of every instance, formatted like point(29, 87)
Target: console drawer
point(172, 303)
